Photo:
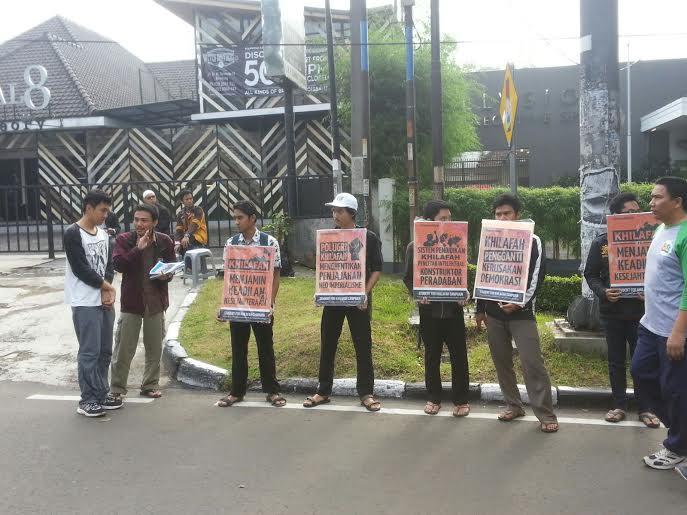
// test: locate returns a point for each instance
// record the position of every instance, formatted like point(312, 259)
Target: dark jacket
point(127, 259)
point(164, 220)
point(598, 278)
point(535, 279)
point(433, 309)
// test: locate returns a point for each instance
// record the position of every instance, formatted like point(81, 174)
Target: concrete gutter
point(194, 373)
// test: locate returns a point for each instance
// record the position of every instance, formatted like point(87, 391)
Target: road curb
point(198, 374)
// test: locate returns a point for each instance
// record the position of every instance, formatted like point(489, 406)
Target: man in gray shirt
point(659, 367)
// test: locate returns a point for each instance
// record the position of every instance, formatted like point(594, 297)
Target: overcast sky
point(527, 32)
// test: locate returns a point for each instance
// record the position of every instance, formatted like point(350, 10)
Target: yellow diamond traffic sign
point(509, 105)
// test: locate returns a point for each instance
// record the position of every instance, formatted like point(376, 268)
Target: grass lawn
point(395, 355)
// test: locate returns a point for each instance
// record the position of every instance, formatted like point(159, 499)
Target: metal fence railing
point(485, 173)
point(33, 218)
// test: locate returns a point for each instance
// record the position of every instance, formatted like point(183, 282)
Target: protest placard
point(503, 261)
point(629, 238)
point(440, 264)
point(340, 267)
point(248, 277)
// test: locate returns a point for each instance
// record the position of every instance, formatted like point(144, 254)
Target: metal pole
point(437, 118)
point(333, 108)
point(513, 176)
point(411, 135)
point(365, 79)
point(290, 149)
point(629, 116)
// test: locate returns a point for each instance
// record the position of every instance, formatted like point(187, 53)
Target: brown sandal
point(461, 410)
point(649, 419)
point(310, 402)
point(549, 427)
point(432, 408)
point(276, 400)
point(509, 415)
point(151, 394)
point(616, 415)
point(373, 405)
point(227, 401)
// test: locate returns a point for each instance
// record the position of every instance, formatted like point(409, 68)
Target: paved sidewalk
point(37, 341)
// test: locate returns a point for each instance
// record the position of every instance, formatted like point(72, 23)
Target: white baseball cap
point(344, 200)
point(147, 193)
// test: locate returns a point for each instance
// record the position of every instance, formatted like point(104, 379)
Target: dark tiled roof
point(178, 77)
point(86, 71)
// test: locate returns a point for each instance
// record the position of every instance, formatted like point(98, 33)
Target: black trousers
point(619, 335)
point(361, 333)
point(451, 331)
point(240, 334)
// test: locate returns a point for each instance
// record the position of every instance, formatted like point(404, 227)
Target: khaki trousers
point(126, 341)
point(537, 381)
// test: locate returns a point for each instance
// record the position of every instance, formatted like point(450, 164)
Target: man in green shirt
point(659, 367)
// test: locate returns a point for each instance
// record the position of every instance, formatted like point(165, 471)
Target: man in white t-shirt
point(88, 290)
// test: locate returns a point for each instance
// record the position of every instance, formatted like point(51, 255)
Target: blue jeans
point(93, 326)
point(664, 382)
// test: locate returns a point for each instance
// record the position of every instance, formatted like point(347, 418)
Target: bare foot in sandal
point(276, 400)
point(649, 419)
point(432, 408)
point(615, 415)
point(510, 414)
point(461, 410)
point(549, 427)
point(370, 403)
point(315, 400)
point(229, 400)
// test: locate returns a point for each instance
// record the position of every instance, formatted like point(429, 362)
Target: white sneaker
point(663, 459)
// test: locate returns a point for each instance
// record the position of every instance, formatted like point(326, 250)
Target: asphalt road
point(181, 454)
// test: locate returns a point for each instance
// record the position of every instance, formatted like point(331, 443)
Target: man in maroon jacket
point(142, 300)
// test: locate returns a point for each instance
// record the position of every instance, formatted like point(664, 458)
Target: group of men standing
point(654, 326)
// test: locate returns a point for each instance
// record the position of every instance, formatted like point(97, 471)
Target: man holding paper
point(344, 208)
point(245, 217)
point(144, 300)
point(508, 321)
point(619, 318)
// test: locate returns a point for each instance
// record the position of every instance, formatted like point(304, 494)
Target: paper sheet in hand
point(340, 269)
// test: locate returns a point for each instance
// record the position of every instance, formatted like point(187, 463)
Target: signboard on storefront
point(33, 94)
point(241, 71)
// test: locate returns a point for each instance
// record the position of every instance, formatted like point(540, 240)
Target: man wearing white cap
point(344, 208)
point(164, 219)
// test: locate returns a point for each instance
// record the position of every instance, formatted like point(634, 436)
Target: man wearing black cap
point(344, 208)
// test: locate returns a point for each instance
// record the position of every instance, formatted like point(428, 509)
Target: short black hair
point(507, 199)
point(95, 197)
point(676, 187)
point(619, 201)
point(432, 209)
point(351, 211)
point(247, 207)
point(148, 209)
point(184, 193)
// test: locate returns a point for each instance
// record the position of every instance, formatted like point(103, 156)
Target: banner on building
point(440, 264)
point(241, 71)
point(629, 238)
point(248, 277)
point(340, 267)
point(503, 261)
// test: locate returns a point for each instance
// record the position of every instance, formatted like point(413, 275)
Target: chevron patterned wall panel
point(62, 160)
point(108, 163)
